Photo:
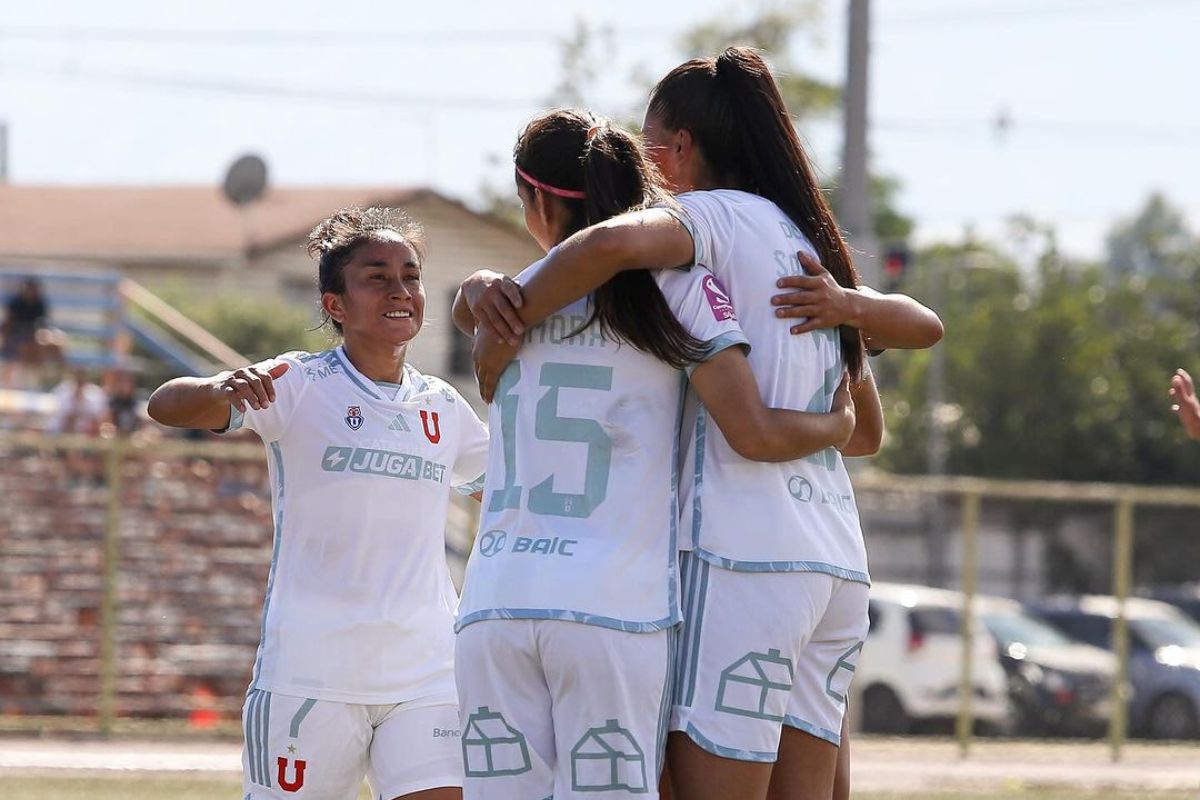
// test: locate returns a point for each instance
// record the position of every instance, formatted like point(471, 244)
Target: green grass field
point(191, 788)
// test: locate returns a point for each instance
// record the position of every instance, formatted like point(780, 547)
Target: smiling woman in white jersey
point(570, 611)
point(775, 604)
point(354, 674)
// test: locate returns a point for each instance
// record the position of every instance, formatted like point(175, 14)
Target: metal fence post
point(106, 703)
point(1122, 578)
point(970, 526)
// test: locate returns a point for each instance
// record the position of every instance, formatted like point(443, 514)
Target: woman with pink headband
point(570, 615)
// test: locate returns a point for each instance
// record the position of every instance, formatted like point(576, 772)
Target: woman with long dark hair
point(774, 574)
point(569, 619)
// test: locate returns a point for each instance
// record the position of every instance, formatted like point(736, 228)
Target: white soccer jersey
point(360, 606)
point(580, 510)
point(789, 516)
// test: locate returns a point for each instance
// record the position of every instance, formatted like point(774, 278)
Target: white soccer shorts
point(298, 747)
point(556, 709)
point(761, 650)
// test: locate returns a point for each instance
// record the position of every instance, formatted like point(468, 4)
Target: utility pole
point(3, 152)
point(855, 208)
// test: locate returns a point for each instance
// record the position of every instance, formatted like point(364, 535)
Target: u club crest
point(354, 417)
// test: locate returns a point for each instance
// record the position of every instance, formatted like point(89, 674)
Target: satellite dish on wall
point(246, 180)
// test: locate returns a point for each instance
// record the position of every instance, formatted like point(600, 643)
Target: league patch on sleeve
point(718, 299)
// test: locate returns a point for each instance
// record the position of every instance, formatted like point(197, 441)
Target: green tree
point(1054, 371)
point(1155, 242)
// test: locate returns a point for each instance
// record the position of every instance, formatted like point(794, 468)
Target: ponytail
point(575, 151)
point(732, 107)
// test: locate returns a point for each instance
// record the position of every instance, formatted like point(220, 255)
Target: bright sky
point(1100, 93)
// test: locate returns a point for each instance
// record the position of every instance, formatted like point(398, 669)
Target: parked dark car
point(1164, 657)
point(1058, 685)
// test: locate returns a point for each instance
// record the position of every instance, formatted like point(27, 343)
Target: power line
point(1032, 12)
point(268, 91)
point(1002, 126)
point(264, 36)
point(490, 37)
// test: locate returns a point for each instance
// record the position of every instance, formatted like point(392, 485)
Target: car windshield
point(1010, 628)
point(1162, 632)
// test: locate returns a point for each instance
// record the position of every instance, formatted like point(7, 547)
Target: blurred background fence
point(132, 572)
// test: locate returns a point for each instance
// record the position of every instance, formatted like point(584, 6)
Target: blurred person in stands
point(25, 313)
point(1184, 402)
point(82, 406)
point(122, 401)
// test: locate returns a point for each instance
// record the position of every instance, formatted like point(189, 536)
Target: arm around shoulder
point(896, 321)
point(868, 416)
point(727, 387)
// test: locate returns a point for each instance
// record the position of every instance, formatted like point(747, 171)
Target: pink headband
point(545, 187)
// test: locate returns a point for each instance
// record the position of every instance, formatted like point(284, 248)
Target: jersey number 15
point(550, 427)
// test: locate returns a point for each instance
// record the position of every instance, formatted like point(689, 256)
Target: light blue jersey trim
point(353, 378)
point(391, 389)
point(236, 418)
point(673, 545)
point(699, 570)
point(472, 487)
point(698, 475)
point(567, 616)
point(716, 345)
point(813, 730)
point(279, 487)
point(683, 219)
point(783, 566)
point(728, 752)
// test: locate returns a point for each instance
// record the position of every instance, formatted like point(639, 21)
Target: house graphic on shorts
point(756, 685)
point(607, 759)
point(492, 747)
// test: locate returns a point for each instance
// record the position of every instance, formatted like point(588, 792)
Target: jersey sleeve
point(707, 220)
point(702, 306)
point(470, 463)
point(272, 422)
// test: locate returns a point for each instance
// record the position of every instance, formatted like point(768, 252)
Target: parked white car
point(910, 667)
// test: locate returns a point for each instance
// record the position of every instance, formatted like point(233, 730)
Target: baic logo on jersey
point(718, 299)
point(354, 417)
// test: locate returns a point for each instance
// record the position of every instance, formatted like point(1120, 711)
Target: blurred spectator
point(1184, 402)
point(26, 339)
point(82, 406)
point(24, 314)
point(122, 401)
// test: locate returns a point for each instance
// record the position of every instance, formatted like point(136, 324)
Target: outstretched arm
point(205, 403)
point(887, 321)
point(729, 391)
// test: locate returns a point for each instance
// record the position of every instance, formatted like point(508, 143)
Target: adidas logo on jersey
point(399, 424)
